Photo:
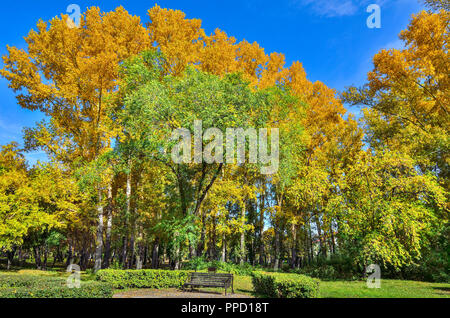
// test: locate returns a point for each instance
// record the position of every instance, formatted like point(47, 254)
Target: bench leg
point(225, 291)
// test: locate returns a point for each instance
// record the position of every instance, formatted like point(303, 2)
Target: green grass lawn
point(328, 289)
point(389, 289)
point(358, 289)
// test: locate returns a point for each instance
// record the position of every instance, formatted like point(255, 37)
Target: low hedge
point(29, 281)
point(87, 290)
point(17, 286)
point(276, 285)
point(145, 278)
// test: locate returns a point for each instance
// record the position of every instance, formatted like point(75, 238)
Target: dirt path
point(175, 293)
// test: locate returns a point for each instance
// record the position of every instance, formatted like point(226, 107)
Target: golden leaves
point(79, 66)
point(178, 38)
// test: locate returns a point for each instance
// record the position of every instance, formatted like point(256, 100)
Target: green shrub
point(434, 267)
point(197, 264)
point(285, 285)
point(323, 272)
point(242, 270)
point(145, 278)
point(334, 268)
point(28, 286)
point(264, 285)
point(200, 263)
point(87, 290)
point(29, 281)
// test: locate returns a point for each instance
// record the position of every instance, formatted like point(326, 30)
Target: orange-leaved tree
point(65, 72)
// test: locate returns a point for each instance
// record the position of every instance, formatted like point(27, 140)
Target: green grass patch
point(389, 289)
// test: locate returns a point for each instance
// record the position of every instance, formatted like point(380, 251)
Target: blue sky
point(330, 37)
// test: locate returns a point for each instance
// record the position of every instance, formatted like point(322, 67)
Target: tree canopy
point(353, 192)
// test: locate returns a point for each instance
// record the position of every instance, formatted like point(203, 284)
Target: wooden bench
point(210, 280)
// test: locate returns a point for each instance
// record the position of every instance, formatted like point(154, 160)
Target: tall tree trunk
point(99, 238)
point(192, 250)
point(261, 249)
point(128, 214)
point(124, 251)
point(132, 249)
point(201, 243)
point(242, 243)
point(139, 250)
point(69, 255)
point(155, 254)
point(37, 257)
point(44, 264)
point(224, 248)
point(10, 256)
point(261, 230)
point(107, 256)
point(276, 264)
point(294, 246)
point(84, 258)
point(139, 256)
point(277, 255)
point(214, 239)
point(145, 254)
point(55, 256)
point(177, 261)
point(333, 241)
point(261, 253)
point(322, 245)
point(311, 248)
point(20, 257)
point(252, 218)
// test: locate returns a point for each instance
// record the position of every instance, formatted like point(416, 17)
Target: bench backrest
point(209, 278)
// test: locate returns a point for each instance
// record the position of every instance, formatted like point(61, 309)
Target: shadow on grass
point(446, 290)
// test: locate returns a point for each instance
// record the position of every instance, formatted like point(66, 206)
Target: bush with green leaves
point(19, 281)
point(146, 278)
point(334, 268)
point(197, 264)
point(276, 285)
point(29, 286)
point(243, 270)
point(200, 264)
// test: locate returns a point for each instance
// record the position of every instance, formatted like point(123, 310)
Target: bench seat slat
point(210, 280)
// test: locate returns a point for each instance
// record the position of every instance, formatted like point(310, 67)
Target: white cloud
point(335, 8)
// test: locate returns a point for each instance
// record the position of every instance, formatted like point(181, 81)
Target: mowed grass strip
point(389, 289)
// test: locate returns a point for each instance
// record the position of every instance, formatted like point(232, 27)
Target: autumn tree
point(438, 4)
point(65, 73)
point(155, 104)
point(408, 95)
point(33, 202)
point(389, 210)
point(406, 99)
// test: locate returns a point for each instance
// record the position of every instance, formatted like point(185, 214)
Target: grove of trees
point(353, 192)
